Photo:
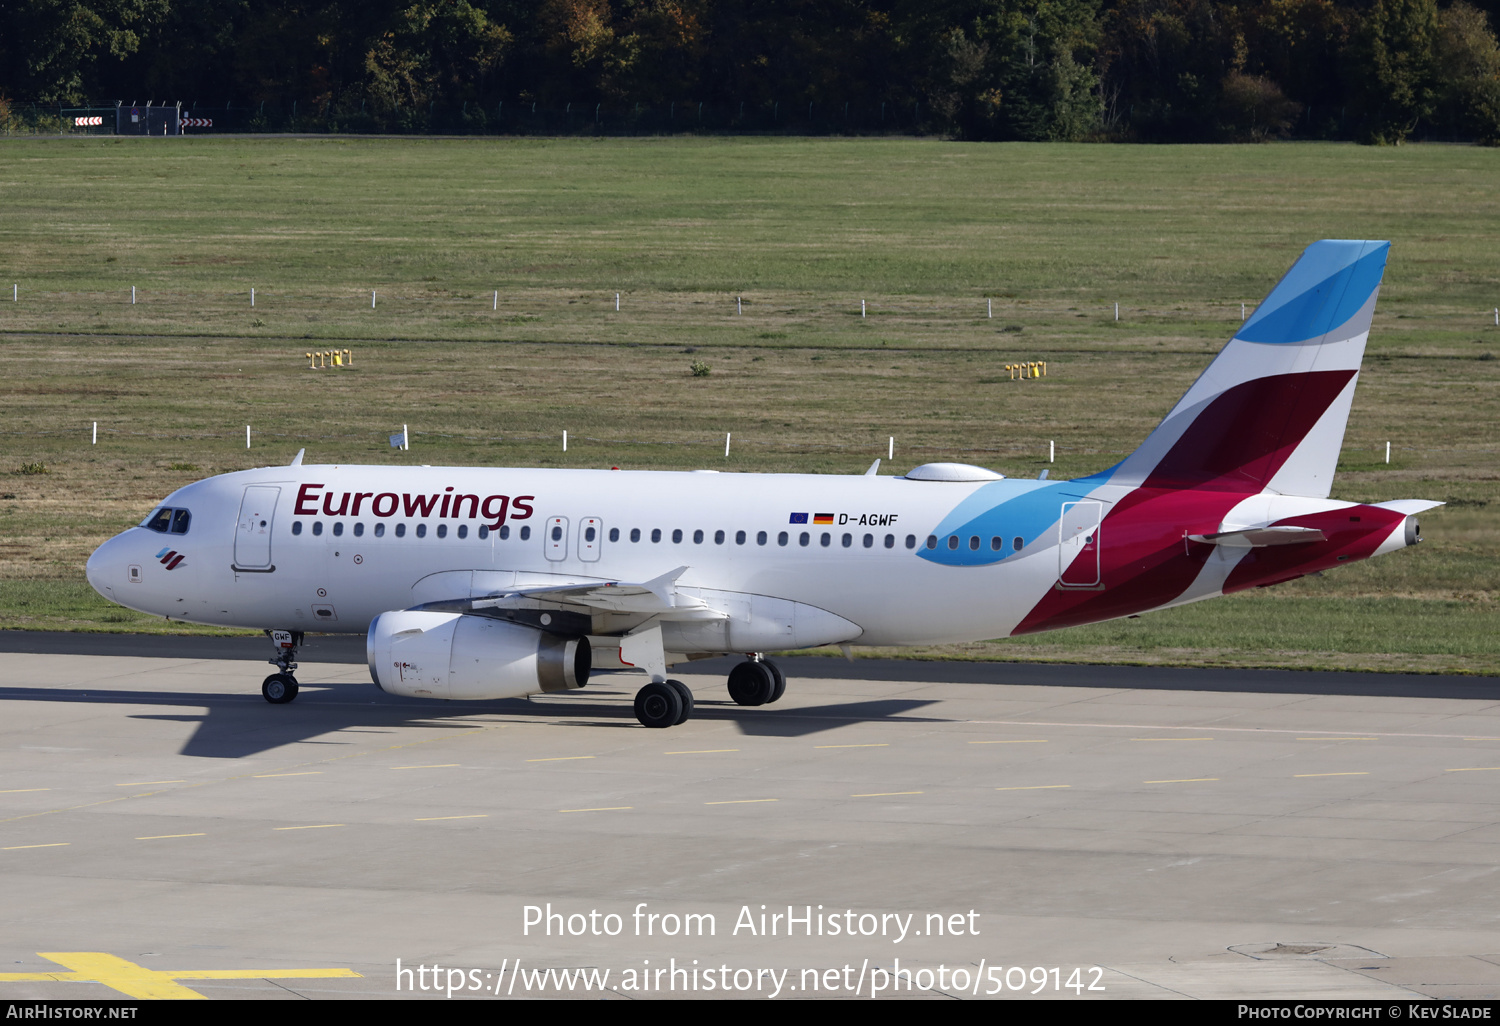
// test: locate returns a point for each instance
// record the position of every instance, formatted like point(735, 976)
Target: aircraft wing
point(658, 597)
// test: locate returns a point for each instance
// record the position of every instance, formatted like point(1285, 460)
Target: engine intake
point(423, 654)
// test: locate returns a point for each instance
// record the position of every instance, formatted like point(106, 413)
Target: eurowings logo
point(170, 558)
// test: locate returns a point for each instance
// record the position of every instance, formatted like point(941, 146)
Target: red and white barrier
point(87, 122)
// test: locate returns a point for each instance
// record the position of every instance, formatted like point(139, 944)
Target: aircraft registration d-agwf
point(487, 583)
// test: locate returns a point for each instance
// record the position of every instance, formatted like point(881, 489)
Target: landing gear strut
point(280, 688)
point(756, 681)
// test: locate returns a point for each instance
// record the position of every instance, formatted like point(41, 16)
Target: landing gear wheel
point(279, 688)
point(686, 694)
point(752, 683)
point(658, 704)
point(780, 688)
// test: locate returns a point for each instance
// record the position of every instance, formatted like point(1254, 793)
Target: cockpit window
point(165, 521)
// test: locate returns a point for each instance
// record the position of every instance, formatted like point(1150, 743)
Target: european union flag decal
point(798, 518)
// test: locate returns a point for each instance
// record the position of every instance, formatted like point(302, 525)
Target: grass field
point(925, 233)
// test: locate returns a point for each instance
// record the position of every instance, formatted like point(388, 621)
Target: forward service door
point(252, 535)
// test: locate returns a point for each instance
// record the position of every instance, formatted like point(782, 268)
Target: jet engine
point(422, 654)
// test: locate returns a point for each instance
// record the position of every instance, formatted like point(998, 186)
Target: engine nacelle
point(422, 654)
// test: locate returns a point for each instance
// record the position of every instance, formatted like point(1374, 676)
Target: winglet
point(873, 467)
point(297, 459)
point(661, 586)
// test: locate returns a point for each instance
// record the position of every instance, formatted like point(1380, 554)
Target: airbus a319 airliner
point(483, 583)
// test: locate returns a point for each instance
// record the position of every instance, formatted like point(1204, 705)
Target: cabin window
point(400, 530)
point(614, 534)
point(338, 528)
point(504, 531)
point(556, 532)
point(760, 537)
point(296, 527)
point(463, 531)
point(739, 538)
point(697, 537)
point(952, 541)
point(317, 527)
point(890, 541)
point(359, 529)
point(781, 539)
point(635, 534)
point(380, 530)
point(525, 533)
point(421, 530)
point(803, 539)
point(1018, 543)
point(911, 541)
point(484, 531)
point(677, 536)
point(826, 539)
point(932, 541)
point(996, 543)
point(869, 541)
point(719, 537)
point(656, 534)
point(590, 533)
point(442, 530)
point(847, 540)
point(973, 543)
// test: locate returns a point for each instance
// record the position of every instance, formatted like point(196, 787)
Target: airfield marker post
point(861, 309)
point(1052, 452)
point(247, 436)
point(1117, 311)
point(405, 438)
point(890, 452)
point(1497, 316)
point(497, 300)
point(132, 295)
point(565, 441)
point(1388, 452)
point(989, 308)
point(739, 308)
point(617, 302)
point(372, 299)
point(15, 293)
point(252, 298)
point(1242, 311)
point(726, 444)
point(96, 434)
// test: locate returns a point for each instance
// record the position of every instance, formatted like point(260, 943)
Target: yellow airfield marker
point(1361, 773)
point(884, 794)
point(304, 773)
point(1471, 769)
point(607, 808)
point(137, 981)
point(54, 844)
point(163, 837)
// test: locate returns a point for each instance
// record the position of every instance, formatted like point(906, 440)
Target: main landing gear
point(667, 703)
point(756, 681)
point(281, 687)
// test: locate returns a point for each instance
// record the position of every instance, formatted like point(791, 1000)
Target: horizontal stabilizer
point(1260, 537)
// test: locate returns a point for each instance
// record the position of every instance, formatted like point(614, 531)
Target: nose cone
point(106, 567)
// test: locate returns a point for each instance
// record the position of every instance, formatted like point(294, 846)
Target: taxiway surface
point(1222, 834)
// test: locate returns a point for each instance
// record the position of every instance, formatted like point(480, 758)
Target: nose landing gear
point(280, 688)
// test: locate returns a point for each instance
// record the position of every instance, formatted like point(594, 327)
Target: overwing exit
point(486, 583)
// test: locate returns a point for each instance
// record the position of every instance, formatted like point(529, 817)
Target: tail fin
point(1269, 413)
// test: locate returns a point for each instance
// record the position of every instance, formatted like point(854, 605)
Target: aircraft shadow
point(239, 726)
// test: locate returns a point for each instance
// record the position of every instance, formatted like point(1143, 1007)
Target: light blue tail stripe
point(1331, 283)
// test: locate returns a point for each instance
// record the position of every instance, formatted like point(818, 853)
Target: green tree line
point(1378, 71)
